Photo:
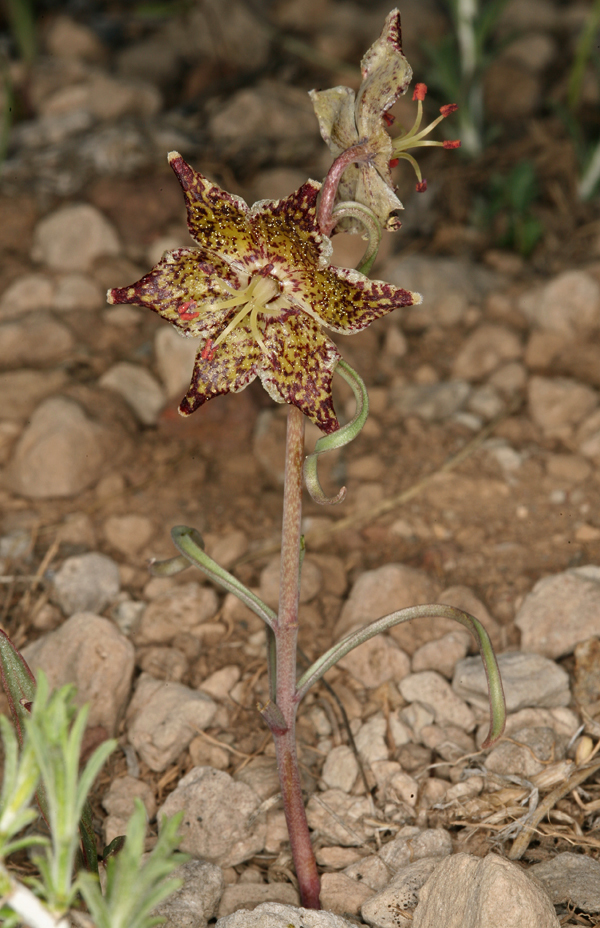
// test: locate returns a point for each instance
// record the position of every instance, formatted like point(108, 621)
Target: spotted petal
point(386, 75)
point(229, 369)
point(298, 368)
point(334, 108)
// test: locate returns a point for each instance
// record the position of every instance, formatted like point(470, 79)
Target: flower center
point(252, 300)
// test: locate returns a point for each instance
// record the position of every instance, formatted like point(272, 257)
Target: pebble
point(248, 895)
point(77, 292)
point(510, 378)
point(371, 871)
point(571, 878)
point(528, 680)
point(197, 901)
point(21, 391)
point(485, 350)
point(434, 402)
point(35, 340)
point(205, 754)
point(586, 688)
point(129, 533)
point(569, 304)
point(434, 691)
point(163, 663)
point(569, 468)
point(207, 798)
point(228, 548)
point(442, 654)
point(437, 278)
point(68, 39)
point(182, 609)
point(557, 404)
point(370, 739)
point(72, 237)
point(275, 915)
point(310, 581)
point(377, 660)
point(140, 390)
point(412, 843)
point(471, 892)
point(338, 817)
point(340, 769)
point(416, 716)
point(536, 749)
point(386, 908)
point(26, 294)
point(485, 402)
point(382, 591)
point(219, 683)
point(261, 776)
point(560, 611)
point(90, 652)
point(175, 358)
point(118, 801)
point(336, 858)
point(86, 583)
point(562, 721)
point(60, 453)
point(343, 895)
point(450, 742)
point(277, 837)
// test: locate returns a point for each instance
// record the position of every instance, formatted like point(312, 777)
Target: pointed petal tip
point(417, 298)
point(110, 297)
point(173, 156)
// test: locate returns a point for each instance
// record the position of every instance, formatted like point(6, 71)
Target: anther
point(421, 186)
point(394, 162)
point(448, 108)
point(184, 311)
point(208, 353)
point(419, 92)
point(454, 143)
point(388, 119)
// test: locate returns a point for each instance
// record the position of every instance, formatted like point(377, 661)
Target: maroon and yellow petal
point(290, 231)
point(180, 289)
point(386, 75)
point(346, 301)
point(298, 366)
point(217, 220)
point(228, 368)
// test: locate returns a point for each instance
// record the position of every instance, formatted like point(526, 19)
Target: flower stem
point(286, 635)
point(356, 155)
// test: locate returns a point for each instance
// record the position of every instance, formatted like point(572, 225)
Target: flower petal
point(346, 301)
point(364, 184)
point(217, 220)
point(291, 233)
point(180, 281)
point(334, 108)
point(298, 368)
point(232, 366)
point(386, 75)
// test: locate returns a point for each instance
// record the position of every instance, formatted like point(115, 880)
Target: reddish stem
point(286, 634)
point(358, 154)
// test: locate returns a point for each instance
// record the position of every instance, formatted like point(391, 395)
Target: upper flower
point(257, 291)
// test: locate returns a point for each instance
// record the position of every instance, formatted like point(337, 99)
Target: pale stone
point(175, 356)
point(226, 549)
point(76, 292)
point(129, 533)
point(248, 896)
point(336, 858)
point(484, 350)
point(560, 611)
point(181, 609)
point(528, 680)
point(25, 294)
point(86, 583)
point(558, 404)
point(433, 402)
point(119, 803)
point(435, 692)
point(536, 748)
point(72, 237)
point(412, 843)
point(35, 340)
point(197, 901)
point(138, 388)
point(310, 581)
point(72, 40)
point(275, 915)
point(205, 754)
point(371, 871)
point(370, 739)
point(163, 663)
point(442, 654)
point(21, 391)
point(571, 878)
point(342, 895)
point(377, 660)
point(569, 304)
point(340, 769)
point(385, 910)
point(221, 681)
point(338, 817)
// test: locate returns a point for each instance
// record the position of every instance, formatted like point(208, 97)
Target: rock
point(60, 453)
point(119, 803)
point(342, 895)
point(221, 681)
point(560, 611)
point(182, 609)
point(90, 652)
point(371, 871)
point(175, 358)
point(138, 388)
point(536, 748)
point(248, 895)
point(277, 837)
point(442, 654)
point(72, 237)
point(338, 817)
point(163, 718)
point(562, 721)
point(37, 339)
point(71, 40)
point(450, 742)
point(485, 402)
point(205, 754)
point(437, 278)
point(528, 680)
point(470, 892)
point(586, 688)
point(401, 787)
point(207, 798)
point(274, 915)
point(310, 582)
point(163, 663)
point(412, 843)
point(86, 583)
point(370, 739)
point(385, 910)
point(128, 534)
point(21, 391)
point(557, 404)
point(261, 776)
point(400, 733)
point(385, 590)
point(484, 351)
point(77, 292)
point(416, 716)
point(434, 402)
point(26, 294)
point(431, 689)
point(226, 549)
point(336, 858)
point(569, 468)
point(510, 378)
point(340, 769)
point(197, 901)
point(569, 304)
point(571, 878)
point(377, 660)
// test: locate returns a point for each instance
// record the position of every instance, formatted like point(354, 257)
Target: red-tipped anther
point(419, 92)
point(448, 108)
point(454, 143)
point(184, 313)
point(388, 119)
point(208, 352)
point(421, 186)
point(394, 162)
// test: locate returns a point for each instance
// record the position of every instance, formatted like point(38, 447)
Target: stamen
point(421, 186)
point(454, 143)
point(388, 119)
point(394, 162)
point(208, 352)
point(448, 109)
point(236, 319)
point(184, 313)
point(255, 330)
point(419, 92)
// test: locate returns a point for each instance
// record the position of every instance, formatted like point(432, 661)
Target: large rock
point(401, 895)
point(163, 718)
point(571, 878)
point(412, 843)
point(431, 689)
point(119, 802)
point(569, 304)
point(197, 902)
point(249, 895)
point(470, 892)
point(528, 680)
point(72, 237)
point(60, 453)
point(377, 660)
point(560, 611)
point(275, 915)
point(86, 583)
point(25, 294)
point(219, 817)
point(90, 652)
